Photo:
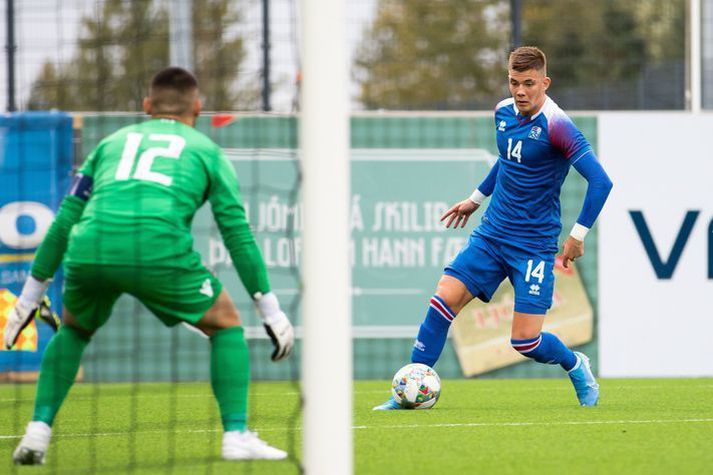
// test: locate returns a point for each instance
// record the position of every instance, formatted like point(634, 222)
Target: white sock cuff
point(39, 426)
point(577, 364)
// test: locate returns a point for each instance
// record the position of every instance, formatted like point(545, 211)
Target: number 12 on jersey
point(515, 151)
point(143, 168)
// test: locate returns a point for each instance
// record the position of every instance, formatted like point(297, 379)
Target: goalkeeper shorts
point(174, 295)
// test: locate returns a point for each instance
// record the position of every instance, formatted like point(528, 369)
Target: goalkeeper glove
point(31, 303)
point(277, 325)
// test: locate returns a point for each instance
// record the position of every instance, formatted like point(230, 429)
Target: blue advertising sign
point(36, 156)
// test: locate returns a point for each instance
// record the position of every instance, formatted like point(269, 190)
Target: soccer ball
point(416, 386)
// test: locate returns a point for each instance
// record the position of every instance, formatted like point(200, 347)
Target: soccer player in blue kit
point(517, 238)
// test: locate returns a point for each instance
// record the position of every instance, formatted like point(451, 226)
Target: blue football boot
point(583, 380)
point(389, 405)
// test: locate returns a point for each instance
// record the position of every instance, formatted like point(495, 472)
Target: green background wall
point(405, 170)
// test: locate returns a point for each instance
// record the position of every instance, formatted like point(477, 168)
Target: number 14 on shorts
point(536, 271)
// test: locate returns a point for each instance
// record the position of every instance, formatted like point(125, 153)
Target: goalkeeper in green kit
point(124, 227)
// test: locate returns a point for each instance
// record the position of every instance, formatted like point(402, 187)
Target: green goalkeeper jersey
point(148, 181)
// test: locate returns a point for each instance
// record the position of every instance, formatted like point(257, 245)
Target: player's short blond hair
point(525, 58)
point(173, 91)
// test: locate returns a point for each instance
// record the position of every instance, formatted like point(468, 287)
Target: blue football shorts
point(484, 263)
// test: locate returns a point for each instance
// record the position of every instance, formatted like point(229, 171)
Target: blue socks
point(546, 348)
point(433, 332)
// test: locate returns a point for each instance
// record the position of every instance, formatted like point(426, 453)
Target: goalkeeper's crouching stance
point(124, 227)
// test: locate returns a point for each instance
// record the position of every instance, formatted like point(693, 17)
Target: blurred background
point(405, 55)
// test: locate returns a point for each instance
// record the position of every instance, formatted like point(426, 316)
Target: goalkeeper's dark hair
point(172, 91)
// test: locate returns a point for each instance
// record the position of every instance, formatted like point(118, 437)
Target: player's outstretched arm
point(229, 212)
point(599, 186)
point(32, 301)
point(51, 252)
point(488, 185)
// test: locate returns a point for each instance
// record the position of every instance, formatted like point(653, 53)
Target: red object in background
point(221, 120)
point(560, 266)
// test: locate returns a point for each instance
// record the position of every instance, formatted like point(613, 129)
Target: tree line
point(415, 54)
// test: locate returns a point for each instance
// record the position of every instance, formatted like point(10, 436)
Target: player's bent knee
point(220, 316)
point(525, 333)
point(453, 292)
point(526, 326)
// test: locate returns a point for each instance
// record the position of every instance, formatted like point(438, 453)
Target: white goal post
point(326, 309)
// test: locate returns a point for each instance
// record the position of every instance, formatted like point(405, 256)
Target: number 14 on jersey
point(515, 151)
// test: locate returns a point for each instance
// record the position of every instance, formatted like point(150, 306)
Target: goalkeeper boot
point(34, 444)
point(583, 380)
point(389, 405)
point(246, 445)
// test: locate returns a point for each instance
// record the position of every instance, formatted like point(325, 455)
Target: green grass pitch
point(479, 426)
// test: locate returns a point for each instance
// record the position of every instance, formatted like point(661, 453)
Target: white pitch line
point(117, 434)
point(402, 426)
point(168, 396)
point(385, 392)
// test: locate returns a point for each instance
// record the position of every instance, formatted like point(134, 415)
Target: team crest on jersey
point(535, 132)
point(501, 126)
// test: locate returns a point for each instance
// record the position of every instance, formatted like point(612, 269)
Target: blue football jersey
point(535, 154)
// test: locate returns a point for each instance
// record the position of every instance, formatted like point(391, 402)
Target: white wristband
point(33, 292)
point(579, 232)
point(477, 197)
point(268, 307)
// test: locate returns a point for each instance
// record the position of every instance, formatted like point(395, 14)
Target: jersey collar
point(523, 120)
